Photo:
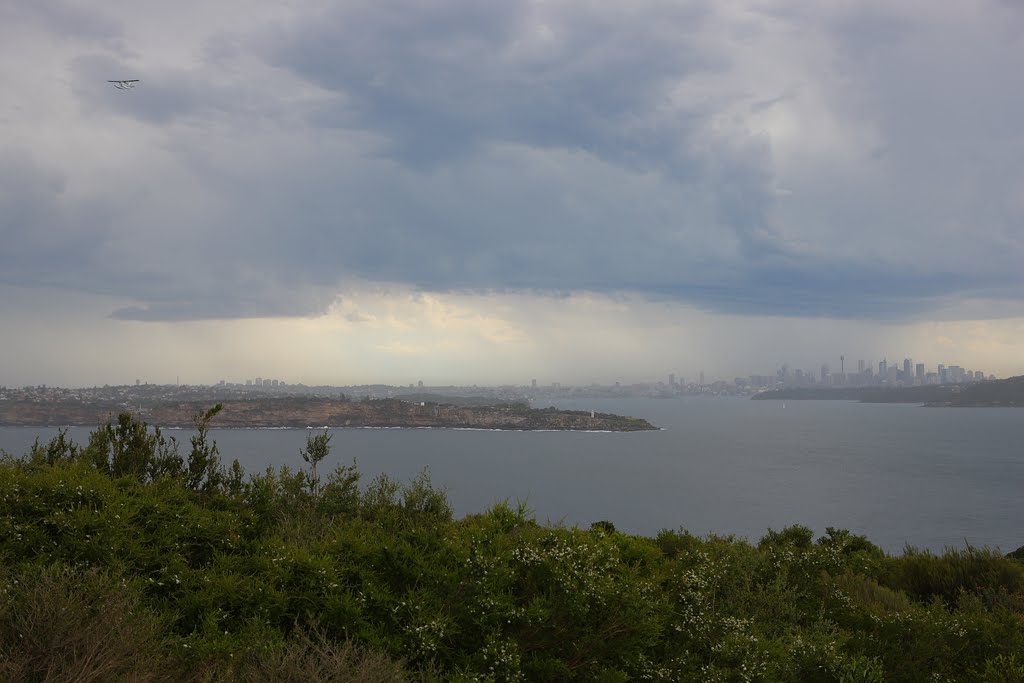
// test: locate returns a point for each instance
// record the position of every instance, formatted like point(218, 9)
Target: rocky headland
point(301, 412)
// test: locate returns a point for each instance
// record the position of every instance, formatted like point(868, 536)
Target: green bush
point(980, 571)
point(58, 623)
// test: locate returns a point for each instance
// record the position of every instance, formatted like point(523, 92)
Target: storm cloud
point(850, 160)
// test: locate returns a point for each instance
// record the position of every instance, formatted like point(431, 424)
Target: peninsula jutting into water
point(305, 411)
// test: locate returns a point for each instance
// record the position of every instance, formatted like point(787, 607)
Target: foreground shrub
point(307, 656)
point(64, 624)
point(995, 578)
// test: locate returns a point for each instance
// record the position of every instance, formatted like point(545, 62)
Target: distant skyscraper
point(671, 379)
point(883, 369)
point(908, 366)
point(919, 374)
point(860, 367)
point(702, 378)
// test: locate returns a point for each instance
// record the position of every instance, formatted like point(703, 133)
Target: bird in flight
point(125, 84)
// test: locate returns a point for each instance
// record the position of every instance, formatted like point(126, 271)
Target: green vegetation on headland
point(121, 559)
point(306, 411)
point(1004, 393)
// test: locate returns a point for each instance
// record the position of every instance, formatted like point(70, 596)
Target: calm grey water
point(897, 473)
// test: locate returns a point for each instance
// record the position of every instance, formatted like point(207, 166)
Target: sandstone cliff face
point(318, 412)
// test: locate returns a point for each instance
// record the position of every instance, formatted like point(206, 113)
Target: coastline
point(1005, 393)
point(302, 413)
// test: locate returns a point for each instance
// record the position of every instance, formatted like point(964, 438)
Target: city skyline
point(865, 375)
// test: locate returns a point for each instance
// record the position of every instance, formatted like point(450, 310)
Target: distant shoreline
point(304, 412)
point(1005, 393)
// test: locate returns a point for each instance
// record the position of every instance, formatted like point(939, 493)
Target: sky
point(459, 192)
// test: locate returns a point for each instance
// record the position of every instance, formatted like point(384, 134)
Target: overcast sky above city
point(458, 191)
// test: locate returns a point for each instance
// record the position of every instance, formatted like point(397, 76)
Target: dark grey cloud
point(53, 239)
point(540, 147)
point(48, 238)
point(439, 82)
point(64, 18)
point(440, 78)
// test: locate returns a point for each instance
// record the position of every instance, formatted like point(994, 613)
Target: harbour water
point(899, 474)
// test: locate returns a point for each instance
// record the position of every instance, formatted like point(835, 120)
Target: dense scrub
point(122, 560)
